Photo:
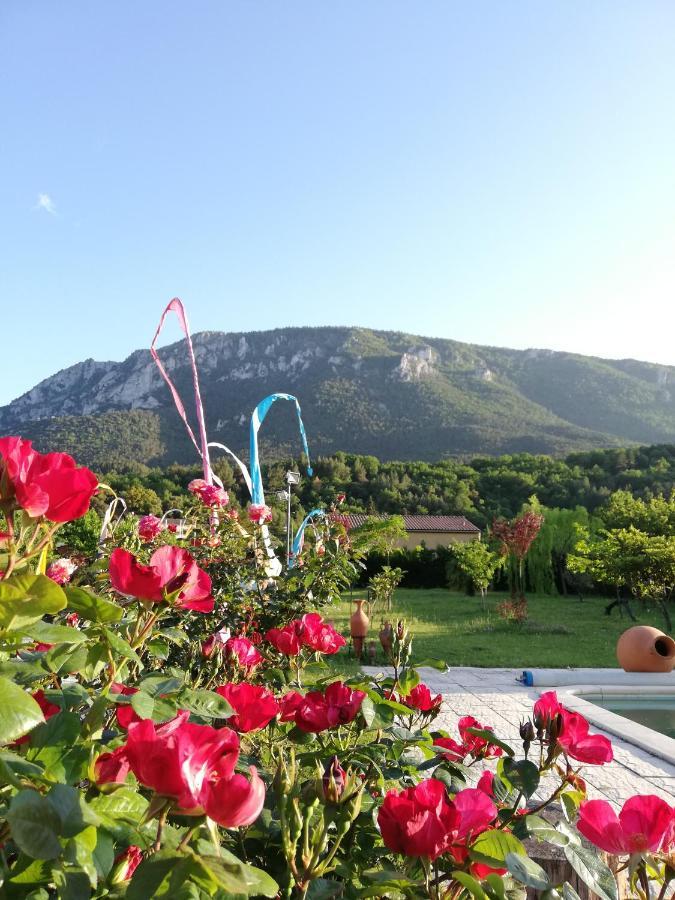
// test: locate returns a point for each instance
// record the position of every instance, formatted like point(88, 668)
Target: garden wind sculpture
point(252, 478)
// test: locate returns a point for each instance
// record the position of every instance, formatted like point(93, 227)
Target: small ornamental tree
point(478, 563)
point(381, 586)
point(515, 539)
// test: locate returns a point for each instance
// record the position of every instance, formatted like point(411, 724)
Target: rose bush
point(172, 725)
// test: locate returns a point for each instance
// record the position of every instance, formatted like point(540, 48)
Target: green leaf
point(66, 658)
point(522, 774)
point(207, 704)
point(408, 680)
point(72, 884)
point(569, 893)
point(26, 598)
point(47, 633)
point(230, 871)
point(121, 809)
point(159, 709)
point(489, 736)
point(471, 884)
point(161, 684)
point(19, 713)
point(492, 847)
point(594, 873)
point(74, 813)
point(494, 885)
point(35, 825)
point(54, 744)
point(30, 871)
point(542, 830)
point(119, 645)
point(92, 607)
point(527, 872)
point(439, 664)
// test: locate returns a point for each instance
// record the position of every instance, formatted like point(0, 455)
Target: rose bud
point(126, 864)
point(527, 735)
point(333, 781)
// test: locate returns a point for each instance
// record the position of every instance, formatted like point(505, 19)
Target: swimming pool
point(657, 713)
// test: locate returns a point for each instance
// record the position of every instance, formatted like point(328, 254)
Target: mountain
point(393, 395)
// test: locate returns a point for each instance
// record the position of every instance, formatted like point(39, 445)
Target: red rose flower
point(253, 704)
point(337, 705)
point(575, 740)
point(48, 708)
point(210, 494)
point(258, 513)
point(45, 484)
point(149, 527)
point(244, 652)
point(644, 825)
point(453, 750)
point(471, 744)
point(219, 639)
point(233, 800)
point(112, 767)
point(546, 709)
point(176, 758)
point(286, 640)
point(474, 745)
point(486, 783)
point(288, 705)
point(171, 569)
point(418, 821)
point(125, 712)
point(420, 699)
point(319, 635)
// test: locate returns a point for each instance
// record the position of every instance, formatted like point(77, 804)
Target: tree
point(381, 587)
point(475, 560)
point(515, 539)
point(626, 557)
point(142, 500)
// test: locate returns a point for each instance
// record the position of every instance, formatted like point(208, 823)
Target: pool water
point(657, 713)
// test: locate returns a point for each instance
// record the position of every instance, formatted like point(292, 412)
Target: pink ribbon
point(177, 307)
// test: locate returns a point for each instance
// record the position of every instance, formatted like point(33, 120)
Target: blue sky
point(500, 173)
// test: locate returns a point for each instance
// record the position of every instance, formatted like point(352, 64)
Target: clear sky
point(494, 172)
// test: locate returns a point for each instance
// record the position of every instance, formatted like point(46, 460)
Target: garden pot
point(645, 649)
point(358, 627)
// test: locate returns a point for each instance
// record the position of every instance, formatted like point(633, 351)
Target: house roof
point(450, 524)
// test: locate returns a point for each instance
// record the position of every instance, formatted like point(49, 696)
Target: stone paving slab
point(496, 698)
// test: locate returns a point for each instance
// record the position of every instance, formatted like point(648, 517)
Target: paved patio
point(495, 698)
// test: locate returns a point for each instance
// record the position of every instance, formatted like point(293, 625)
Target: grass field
point(446, 625)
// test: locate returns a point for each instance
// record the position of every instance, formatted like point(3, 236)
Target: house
point(432, 531)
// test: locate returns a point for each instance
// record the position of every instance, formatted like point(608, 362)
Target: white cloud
point(45, 202)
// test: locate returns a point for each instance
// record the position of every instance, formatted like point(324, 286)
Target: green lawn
point(447, 625)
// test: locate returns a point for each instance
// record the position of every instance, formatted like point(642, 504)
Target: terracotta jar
point(358, 627)
point(645, 649)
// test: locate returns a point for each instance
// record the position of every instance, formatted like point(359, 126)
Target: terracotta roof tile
point(452, 524)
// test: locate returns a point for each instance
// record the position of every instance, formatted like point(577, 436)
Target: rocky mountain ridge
point(390, 394)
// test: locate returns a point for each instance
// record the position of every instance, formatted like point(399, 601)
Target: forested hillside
point(481, 489)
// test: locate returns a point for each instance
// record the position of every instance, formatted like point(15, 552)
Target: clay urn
point(358, 626)
point(645, 649)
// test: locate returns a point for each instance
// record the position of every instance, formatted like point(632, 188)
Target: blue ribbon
point(257, 418)
point(299, 539)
